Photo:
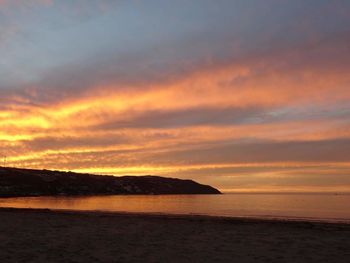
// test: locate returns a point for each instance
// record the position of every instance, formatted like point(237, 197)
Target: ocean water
point(319, 207)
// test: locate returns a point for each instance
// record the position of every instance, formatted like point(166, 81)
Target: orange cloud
point(163, 127)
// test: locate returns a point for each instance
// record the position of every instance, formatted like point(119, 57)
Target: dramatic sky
point(246, 95)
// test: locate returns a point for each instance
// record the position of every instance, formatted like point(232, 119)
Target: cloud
point(290, 73)
point(23, 3)
point(260, 152)
point(187, 118)
point(261, 86)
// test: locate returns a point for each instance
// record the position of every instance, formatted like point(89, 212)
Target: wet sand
point(28, 235)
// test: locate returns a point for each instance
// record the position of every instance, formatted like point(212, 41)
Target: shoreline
point(228, 219)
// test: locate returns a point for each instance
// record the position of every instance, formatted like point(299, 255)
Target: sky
point(244, 95)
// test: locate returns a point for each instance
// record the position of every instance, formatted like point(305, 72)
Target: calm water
point(293, 206)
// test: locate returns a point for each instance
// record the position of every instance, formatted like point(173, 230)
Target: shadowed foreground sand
point(47, 236)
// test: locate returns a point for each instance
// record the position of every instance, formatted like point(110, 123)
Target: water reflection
point(315, 206)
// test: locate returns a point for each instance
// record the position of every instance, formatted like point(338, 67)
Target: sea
point(295, 206)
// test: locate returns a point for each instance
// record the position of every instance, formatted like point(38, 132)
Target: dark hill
point(25, 182)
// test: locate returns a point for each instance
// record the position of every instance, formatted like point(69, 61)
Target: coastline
point(44, 235)
point(201, 217)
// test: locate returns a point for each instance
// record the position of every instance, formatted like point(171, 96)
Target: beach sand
point(52, 236)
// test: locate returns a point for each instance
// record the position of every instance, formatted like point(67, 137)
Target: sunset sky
point(245, 95)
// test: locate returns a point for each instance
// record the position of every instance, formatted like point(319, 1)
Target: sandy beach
point(61, 236)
